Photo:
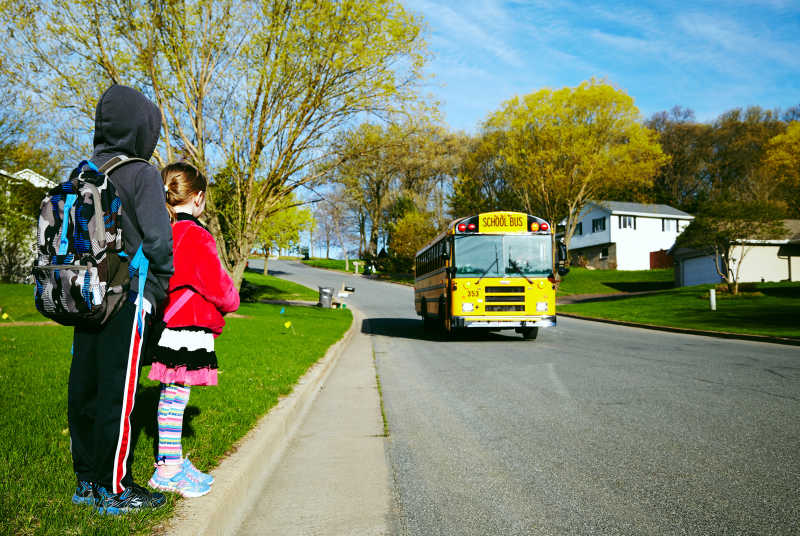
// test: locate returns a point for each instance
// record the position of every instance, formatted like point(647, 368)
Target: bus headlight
point(541, 306)
point(467, 307)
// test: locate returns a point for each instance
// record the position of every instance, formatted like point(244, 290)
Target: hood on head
point(127, 122)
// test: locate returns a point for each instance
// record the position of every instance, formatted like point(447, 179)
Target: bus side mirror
point(562, 259)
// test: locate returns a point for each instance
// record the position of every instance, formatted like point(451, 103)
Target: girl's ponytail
point(181, 181)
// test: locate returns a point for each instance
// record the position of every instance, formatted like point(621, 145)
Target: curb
point(689, 331)
point(240, 476)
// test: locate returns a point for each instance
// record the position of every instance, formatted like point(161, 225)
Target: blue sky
point(706, 56)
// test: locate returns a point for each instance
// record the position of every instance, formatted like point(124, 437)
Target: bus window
point(532, 255)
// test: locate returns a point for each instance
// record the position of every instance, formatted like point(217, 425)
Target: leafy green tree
point(745, 201)
point(19, 210)
point(256, 88)
point(483, 181)
point(409, 234)
point(782, 161)
point(388, 170)
point(740, 139)
point(283, 226)
point(571, 145)
point(683, 182)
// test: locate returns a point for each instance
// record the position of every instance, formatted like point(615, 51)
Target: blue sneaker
point(134, 499)
point(195, 474)
point(180, 483)
point(84, 493)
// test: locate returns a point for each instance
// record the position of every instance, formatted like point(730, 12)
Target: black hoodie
point(126, 122)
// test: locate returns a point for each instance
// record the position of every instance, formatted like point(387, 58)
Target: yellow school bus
point(492, 271)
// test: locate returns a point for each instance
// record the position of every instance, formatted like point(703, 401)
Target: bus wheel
point(529, 334)
point(443, 318)
point(428, 323)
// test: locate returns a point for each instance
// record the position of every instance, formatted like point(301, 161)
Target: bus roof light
point(534, 227)
point(462, 227)
point(544, 226)
point(471, 226)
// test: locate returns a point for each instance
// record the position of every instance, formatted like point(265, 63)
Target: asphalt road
point(591, 429)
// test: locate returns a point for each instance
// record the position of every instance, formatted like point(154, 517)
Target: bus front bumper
point(503, 322)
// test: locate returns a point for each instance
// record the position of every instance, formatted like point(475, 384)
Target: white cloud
point(468, 28)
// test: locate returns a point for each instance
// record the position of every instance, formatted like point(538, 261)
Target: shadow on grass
point(251, 292)
point(260, 271)
point(145, 412)
point(781, 292)
point(640, 286)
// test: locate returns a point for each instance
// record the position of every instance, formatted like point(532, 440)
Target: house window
point(598, 224)
point(669, 225)
point(579, 229)
point(627, 222)
point(604, 253)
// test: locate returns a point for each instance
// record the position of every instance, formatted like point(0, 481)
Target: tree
point(569, 146)
point(782, 161)
point(739, 145)
point(252, 87)
point(483, 182)
point(683, 182)
point(727, 228)
point(334, 215)
point(283, 226)
point(744, 203)
point(387, 170)
point(409, 234)
point(19, 210)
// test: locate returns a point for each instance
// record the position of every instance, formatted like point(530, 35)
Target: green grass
point(583, 281)
point(17, 302)
point(335, 264)
point(266, 287)
point(772, 310)
point(260, 360)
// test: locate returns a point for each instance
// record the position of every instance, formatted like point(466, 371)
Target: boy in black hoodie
point(106, 363)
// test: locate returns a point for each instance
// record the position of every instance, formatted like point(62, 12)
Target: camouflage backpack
point(82, 273)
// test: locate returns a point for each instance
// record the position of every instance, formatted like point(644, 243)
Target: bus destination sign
point(503, 222)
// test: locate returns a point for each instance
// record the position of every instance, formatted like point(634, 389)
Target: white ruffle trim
point(177, 339)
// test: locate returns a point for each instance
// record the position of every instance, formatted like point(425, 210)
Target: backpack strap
point(118, 161)
point(139, 262)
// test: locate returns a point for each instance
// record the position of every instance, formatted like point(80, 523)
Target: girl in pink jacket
point(200, 292)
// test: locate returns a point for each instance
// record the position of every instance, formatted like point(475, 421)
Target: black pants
point(102, 388)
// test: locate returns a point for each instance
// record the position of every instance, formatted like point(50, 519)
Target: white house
point(31, 176)
point(621, 235)
point(764, 260)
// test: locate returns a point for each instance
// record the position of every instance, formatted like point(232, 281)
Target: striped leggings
point(171, 406)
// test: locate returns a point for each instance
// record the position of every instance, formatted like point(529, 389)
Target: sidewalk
point(314, 465)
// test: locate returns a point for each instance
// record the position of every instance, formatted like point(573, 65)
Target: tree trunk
point(266, 258)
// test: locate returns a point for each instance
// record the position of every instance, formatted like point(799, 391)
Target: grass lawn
point(267, 287)
point(17, 302)
point(583, 281)
point(335, 264)
point(260, 360)
point(773, 309)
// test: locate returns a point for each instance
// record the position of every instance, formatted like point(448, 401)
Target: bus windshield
point(503, 255)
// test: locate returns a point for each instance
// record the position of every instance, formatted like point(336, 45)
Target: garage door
point(699, 271)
